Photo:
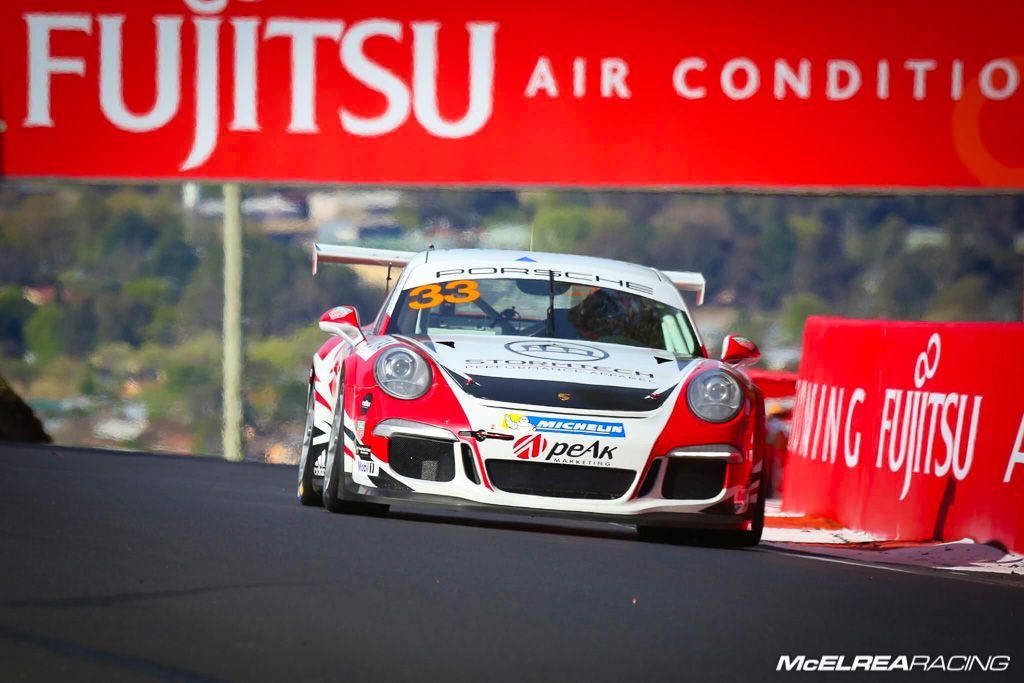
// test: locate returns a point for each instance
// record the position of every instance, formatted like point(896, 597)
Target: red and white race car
point(535, 383)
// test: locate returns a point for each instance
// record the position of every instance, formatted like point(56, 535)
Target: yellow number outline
point(430, 296)
point(465, 291)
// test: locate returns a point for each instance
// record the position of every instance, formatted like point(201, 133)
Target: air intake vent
point(693, 478)
point(469, 464)
point(559, 481)
point(650, 480)
point(419, 458)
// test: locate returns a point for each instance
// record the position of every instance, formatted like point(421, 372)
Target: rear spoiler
point(688, 282)
point(331, 253)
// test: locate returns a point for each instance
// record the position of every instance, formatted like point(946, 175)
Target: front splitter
point(684, 520)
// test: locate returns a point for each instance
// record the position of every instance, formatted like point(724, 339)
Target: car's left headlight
point(714, 396)
point(402, 373)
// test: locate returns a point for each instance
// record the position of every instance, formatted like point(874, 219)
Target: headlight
point(402, 373)
point(714, 396)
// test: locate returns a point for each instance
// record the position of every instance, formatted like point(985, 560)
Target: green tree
point(966, 299)
point(694, 233)
point(14, 313)
point(46, 333)
point(560, 228)
point(795, 311)
point(611, 235)
point(279, 294)
point(776, 247)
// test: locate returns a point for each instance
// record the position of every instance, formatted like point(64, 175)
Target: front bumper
point(714, 517)
point(404, 460)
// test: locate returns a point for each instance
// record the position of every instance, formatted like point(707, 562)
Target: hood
point(557, 372)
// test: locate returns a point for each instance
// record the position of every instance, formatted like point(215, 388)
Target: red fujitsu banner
point(671, 93)
point(911, 430)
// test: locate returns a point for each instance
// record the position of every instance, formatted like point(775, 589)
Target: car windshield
point(520, 307)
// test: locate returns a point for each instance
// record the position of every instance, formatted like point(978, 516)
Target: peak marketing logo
point(535, 445)
point(529, 446)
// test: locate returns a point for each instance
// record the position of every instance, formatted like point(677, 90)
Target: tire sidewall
point(757, 519)
point(332, 491)
point(309, 495)
point(732, 538)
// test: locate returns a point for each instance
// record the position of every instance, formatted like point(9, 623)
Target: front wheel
point(310, 481)
point(726, 538)
point(334, 492)
point(750, 537)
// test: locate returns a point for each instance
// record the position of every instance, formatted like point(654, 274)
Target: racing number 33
point(454, 292)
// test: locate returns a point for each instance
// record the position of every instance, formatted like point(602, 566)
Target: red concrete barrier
point(774, 383)
point(779, 389)
point(911, 430)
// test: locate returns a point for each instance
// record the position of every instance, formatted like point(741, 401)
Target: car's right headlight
point(714, 396)
point(402, 373)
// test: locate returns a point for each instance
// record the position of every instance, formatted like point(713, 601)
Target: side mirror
point(344, 322)
point(739, 351)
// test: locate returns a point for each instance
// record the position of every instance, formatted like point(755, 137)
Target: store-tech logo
point(556, 351)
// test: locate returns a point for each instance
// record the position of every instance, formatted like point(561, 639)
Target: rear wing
point(688, 282)
point(331, 253)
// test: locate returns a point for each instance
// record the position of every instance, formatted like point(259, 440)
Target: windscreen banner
point(911, 430)
point(661, 94)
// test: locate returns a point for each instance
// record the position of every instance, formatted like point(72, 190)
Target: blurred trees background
point(915, 257)
point(115, 292)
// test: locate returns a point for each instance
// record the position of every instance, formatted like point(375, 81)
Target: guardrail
point(911, 430)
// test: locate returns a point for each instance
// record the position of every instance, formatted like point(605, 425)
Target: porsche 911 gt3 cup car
point(537, 383)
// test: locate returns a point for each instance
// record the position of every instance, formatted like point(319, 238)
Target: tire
point(309, 490)
point(747, 538)
point(728, 538)
point(334, 492)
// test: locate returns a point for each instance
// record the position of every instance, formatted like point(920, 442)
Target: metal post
point(232, 434)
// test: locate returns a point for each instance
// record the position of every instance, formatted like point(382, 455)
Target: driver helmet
point(603, 313)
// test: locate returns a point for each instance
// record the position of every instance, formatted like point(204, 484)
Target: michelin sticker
point(524, 424)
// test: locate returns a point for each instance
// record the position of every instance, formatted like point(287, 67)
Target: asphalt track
point(119, 566)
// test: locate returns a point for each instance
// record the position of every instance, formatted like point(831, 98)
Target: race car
point(536, 383)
